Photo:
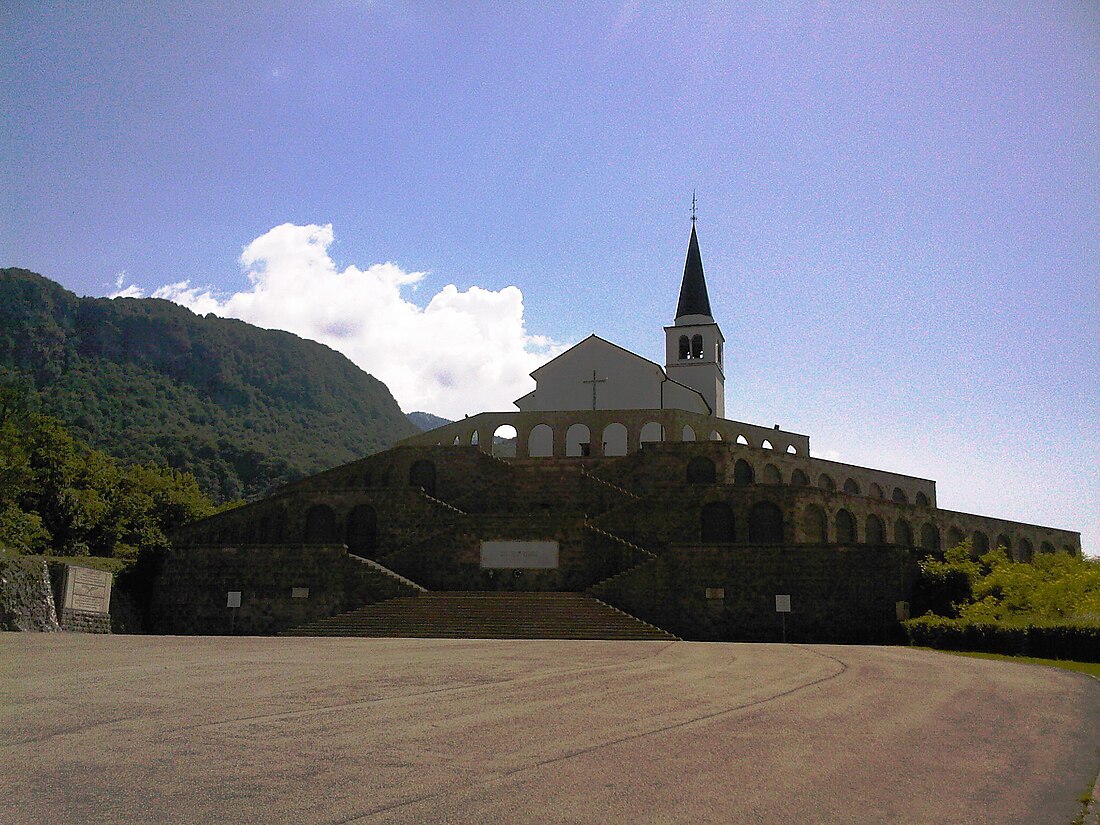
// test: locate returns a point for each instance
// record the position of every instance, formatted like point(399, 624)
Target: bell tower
point(693, 344)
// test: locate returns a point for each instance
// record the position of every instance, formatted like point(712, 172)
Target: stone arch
point(1024, 551)
point(715, 435)
point(614, 439)
point(814, 525)
point(685, 348)
point(798, 479)
point(930, 537)
point(1005, 542)
point(955, 536)
point(475, 439)
point(874, 491)
point(845, 527)
point(1068, 550)
point(387, 475)
point(772, 474)
point(743, 473)
point(766, 523)
point(742, 441)
point(922, 499)
point(701, 470)
point(457, 441)
point(260, 529)
point(361, 530)
point(899, 497)
point(874, 530)
point(851, 486)
point(253, 531)
point(505, 439)
point(716, 523)
point(979, 544)
point(696, 346)
point(903, 533)
point(651, 432)
point(578, 441)
point(766, 445)
point(791, 449)
point(540, 443)
point(1046, 547)
point(825, 482)
point(422, 474)
point(276, 527)
point(320, 525)
point(687, 434)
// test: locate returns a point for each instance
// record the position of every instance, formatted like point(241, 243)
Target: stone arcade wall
point(841, 538)
point(640, 426)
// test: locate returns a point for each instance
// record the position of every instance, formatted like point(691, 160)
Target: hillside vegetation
point(60, 497)
point(1049, 607)
point(147, 381)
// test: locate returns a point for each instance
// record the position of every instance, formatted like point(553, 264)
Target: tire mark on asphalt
point(45, 737)
point(451, 689)
point(706, 717)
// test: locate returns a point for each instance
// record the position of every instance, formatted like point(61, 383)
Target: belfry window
point(685, 352)
point(696, 346)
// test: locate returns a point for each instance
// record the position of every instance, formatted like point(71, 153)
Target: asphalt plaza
point(102, 729)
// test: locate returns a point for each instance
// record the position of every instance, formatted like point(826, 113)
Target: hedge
point(1077, 641)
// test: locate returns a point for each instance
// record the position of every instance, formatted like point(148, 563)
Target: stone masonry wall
point(26, 598)
point(838, 594)
point(190, 594)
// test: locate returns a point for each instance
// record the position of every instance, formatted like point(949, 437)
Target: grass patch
point(110, 565)
point(1092, 668)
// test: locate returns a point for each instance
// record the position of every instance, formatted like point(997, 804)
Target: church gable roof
point(588, 343)
point(693, 289)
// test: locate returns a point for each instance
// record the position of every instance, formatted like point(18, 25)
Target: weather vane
point(693, 206)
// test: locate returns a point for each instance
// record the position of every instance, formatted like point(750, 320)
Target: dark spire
point(693, 290)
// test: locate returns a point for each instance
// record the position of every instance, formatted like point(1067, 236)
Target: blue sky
point(899, 204)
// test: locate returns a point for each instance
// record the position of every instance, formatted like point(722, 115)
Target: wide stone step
point(471, 614)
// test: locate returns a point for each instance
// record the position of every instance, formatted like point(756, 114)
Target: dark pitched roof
point(693, 290)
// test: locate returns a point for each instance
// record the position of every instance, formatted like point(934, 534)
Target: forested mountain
point(243, 408)
point(426, 421)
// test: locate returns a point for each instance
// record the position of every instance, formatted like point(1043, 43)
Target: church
point(615, 501)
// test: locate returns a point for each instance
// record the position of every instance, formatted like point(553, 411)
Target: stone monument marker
point(86, 601)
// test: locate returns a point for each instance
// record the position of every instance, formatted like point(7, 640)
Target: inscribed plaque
point(520, 555)
point(87, 590)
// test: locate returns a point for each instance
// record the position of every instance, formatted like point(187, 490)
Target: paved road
point(259, 730)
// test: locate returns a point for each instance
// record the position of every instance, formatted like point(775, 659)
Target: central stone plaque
point(519, 555)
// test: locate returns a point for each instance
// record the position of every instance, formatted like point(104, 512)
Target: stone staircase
point(487, 615)
point(390, 574)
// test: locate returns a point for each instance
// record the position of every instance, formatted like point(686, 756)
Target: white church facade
point(598, 399)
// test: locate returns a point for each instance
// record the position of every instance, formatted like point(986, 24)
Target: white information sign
point(519, 555)
point(783, 604)
point(234, 599)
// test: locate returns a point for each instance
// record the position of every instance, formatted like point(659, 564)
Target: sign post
point(233, 601)
point(783, 607)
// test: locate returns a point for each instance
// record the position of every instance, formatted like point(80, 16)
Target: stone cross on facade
point(594, 382)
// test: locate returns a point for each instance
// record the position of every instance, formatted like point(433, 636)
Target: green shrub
point(1077, 640)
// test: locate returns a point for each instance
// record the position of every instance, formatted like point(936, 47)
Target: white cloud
point(131, 291)
point(463, 352)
